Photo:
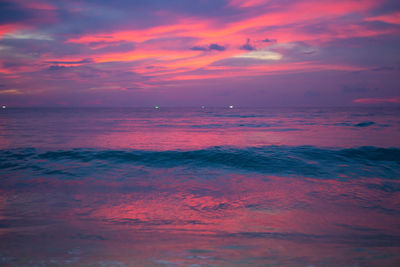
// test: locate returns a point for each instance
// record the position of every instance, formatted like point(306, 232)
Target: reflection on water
point(190, 128)
point(186, 187)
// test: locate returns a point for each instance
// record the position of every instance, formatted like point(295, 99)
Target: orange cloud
point(174, 61)
point(395, 100)
point(393, 18)
point(247, 3)
point(211, 31)
point(296, 67)
point(8, 28)
point(41, 5)
point(178, 29)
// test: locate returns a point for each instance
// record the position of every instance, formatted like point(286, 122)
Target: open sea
point(200, 187)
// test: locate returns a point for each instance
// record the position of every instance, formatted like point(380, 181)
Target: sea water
point(200, 186)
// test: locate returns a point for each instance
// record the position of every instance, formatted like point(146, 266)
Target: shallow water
point(200, 187)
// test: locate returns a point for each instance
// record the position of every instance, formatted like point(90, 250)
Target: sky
point(204, 52)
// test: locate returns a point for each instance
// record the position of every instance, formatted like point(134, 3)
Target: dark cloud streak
point(247, 46)
point(216, 47)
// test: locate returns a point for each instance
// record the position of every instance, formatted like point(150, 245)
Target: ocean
point(200, 186)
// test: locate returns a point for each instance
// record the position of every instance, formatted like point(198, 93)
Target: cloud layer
point(153, 51)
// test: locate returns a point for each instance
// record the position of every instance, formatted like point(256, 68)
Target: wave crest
point(278, 160)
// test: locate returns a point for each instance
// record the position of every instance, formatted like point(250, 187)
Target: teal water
point(200, 187)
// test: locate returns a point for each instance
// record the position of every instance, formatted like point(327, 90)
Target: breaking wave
point(274, 160)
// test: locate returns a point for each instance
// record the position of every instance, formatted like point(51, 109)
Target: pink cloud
point(161, 44)
point(395, 100)
point(393, 18)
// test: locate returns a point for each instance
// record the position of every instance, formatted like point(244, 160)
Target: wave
point(275, 160)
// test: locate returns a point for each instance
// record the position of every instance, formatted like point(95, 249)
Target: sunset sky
point(203, 52)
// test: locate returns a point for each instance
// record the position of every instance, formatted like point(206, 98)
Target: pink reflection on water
point(194, 129)
point(237, 218)
point(285, 129)
point(81, 209)
point(188, 140)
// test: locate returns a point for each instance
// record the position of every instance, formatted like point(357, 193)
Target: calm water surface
point(200, 187)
